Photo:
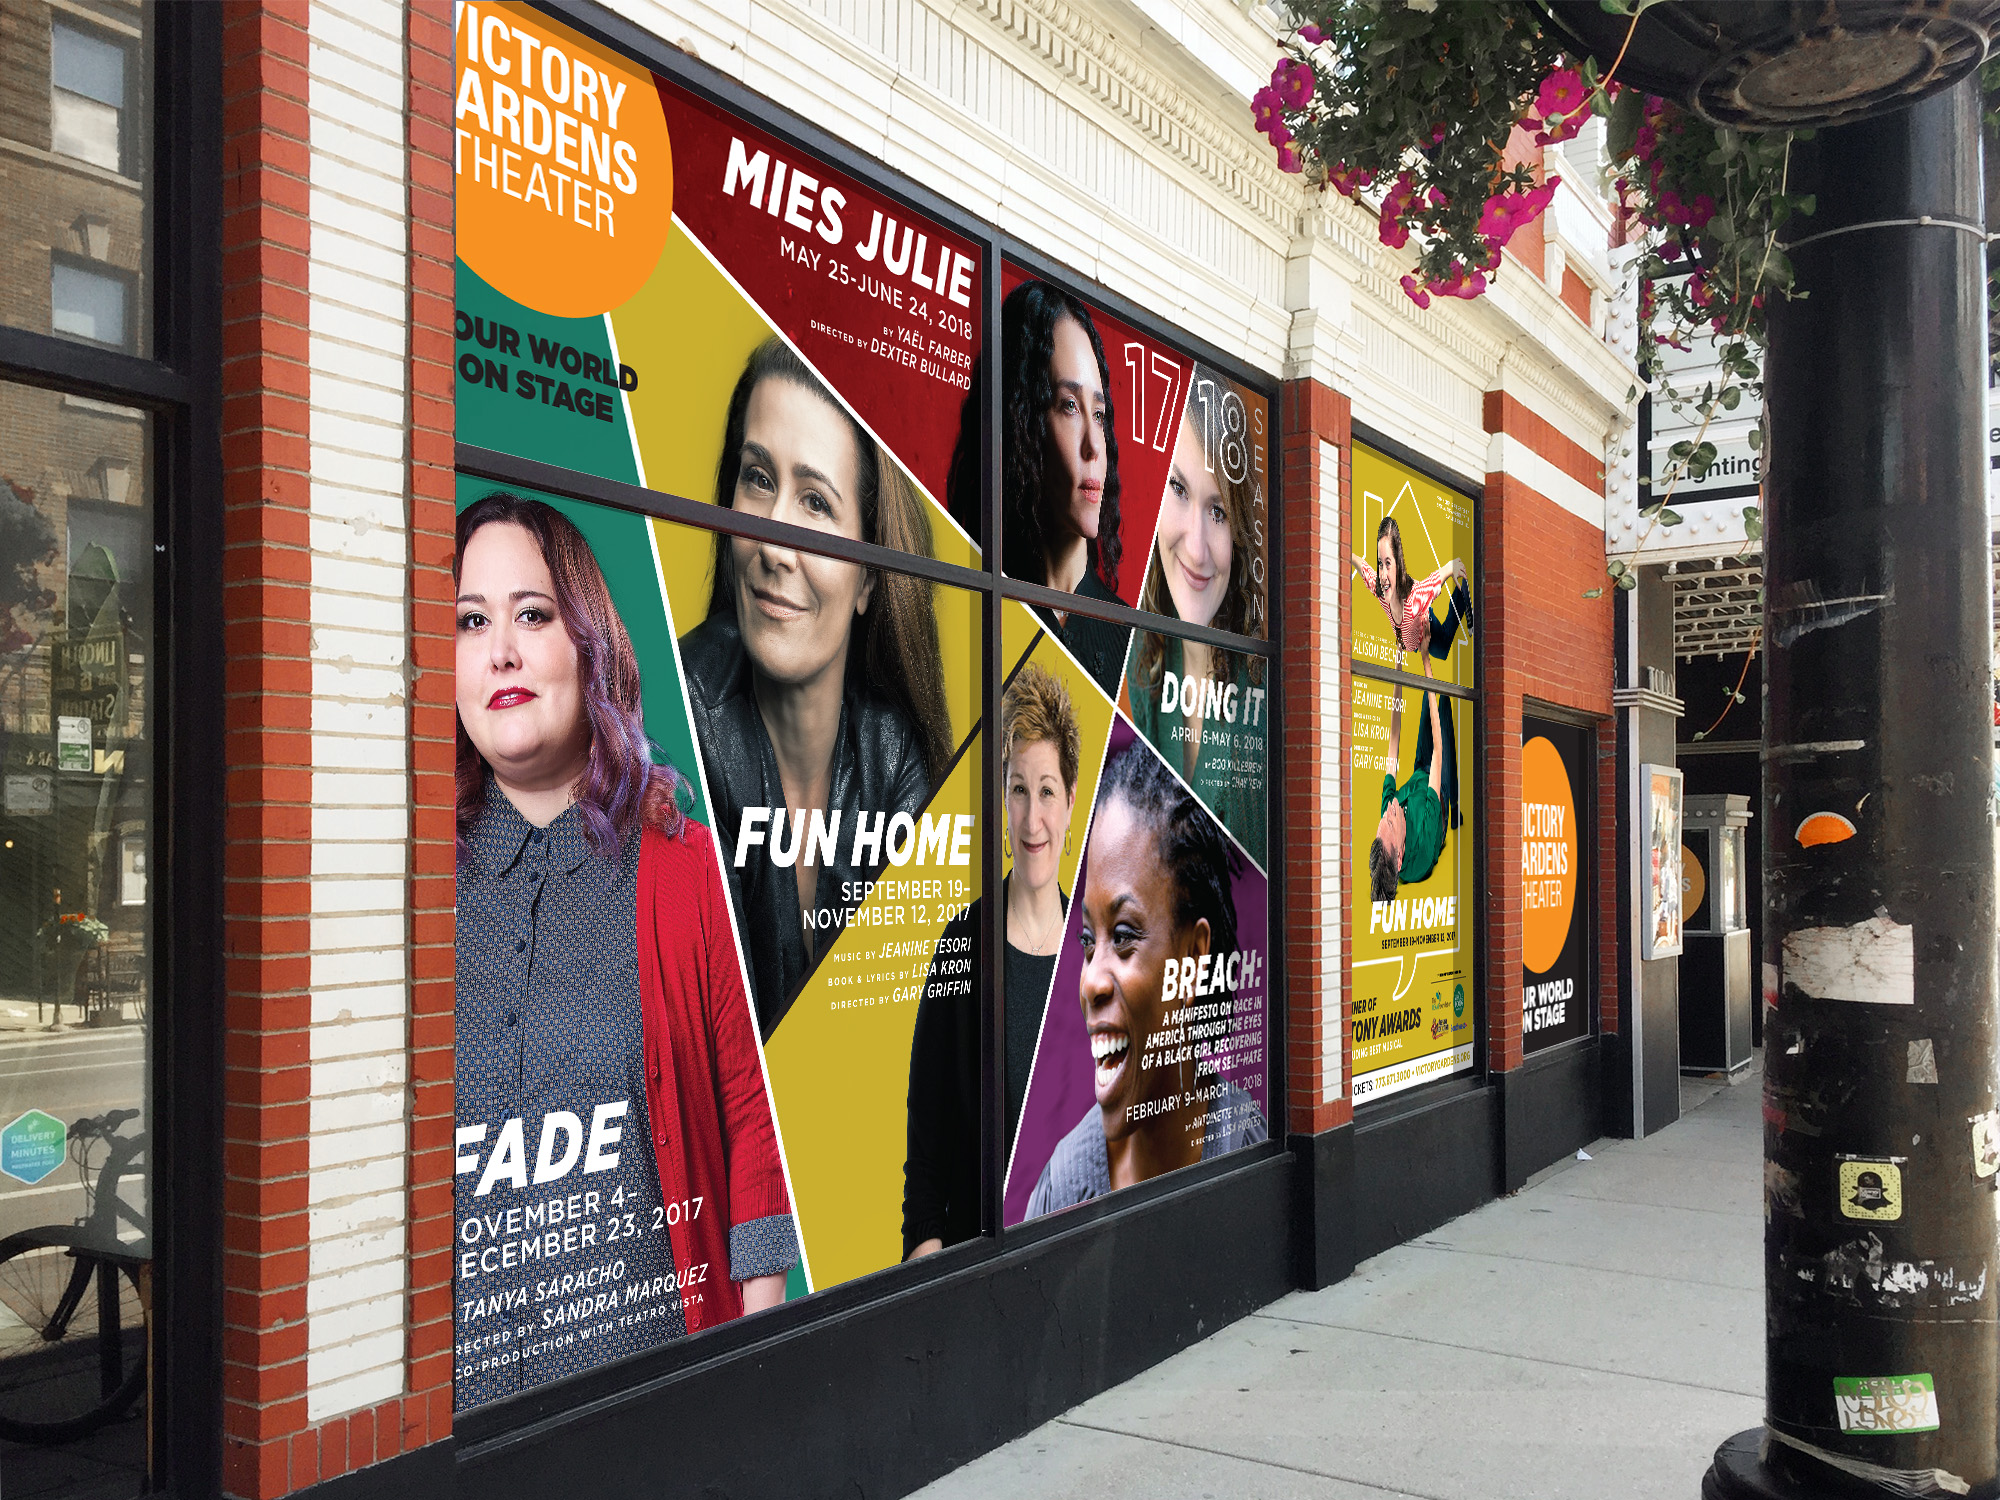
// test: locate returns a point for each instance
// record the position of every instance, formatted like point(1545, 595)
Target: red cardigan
point(711, 1117)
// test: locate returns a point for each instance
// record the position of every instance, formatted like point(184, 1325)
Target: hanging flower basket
point(1428, 113)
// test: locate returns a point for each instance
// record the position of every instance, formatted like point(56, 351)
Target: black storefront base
point(881, 1399)
point(1323, 1243)
point(1420, 1165)
point(1552, 1105)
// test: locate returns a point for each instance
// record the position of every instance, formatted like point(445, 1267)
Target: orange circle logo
point(1548, 855)
point(565, 176)
point(1694, 882)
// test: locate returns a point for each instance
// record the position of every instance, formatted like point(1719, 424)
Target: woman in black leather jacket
point(1059, 484)
point(816, 685)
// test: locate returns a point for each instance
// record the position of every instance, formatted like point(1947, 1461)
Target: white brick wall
point(1333, 857)
point(355, 1300)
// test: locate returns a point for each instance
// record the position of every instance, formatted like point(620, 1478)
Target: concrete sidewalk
point(1596, 1334)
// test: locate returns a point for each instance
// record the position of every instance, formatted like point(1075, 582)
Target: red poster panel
point(884, 302)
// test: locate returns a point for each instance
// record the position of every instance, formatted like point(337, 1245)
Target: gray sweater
point(1080, 1169)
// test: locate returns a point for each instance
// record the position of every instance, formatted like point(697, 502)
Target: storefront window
point(796, 365)
point(76, 814)
point(1414, 778)
point(73, 82)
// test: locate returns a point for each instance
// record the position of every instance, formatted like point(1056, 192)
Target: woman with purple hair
point(599, 997)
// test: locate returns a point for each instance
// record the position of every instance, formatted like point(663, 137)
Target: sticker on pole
point(1985, 1144)
point(32, 1146)
point(1885, 1403)
point(1871, 1189)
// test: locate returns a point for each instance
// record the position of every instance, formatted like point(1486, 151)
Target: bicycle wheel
point(72, 1335)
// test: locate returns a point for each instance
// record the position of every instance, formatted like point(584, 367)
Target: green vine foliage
point(1431, 92)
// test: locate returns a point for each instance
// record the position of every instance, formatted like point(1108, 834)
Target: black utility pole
point(1882, 1245)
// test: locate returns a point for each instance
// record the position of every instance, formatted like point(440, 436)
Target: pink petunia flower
point(1699, 291)
point(1559, 128)
point(1265, 110)
point(1349, 180)
point(1288, 158)
point(1700, 212)
point(1413, 289)
point(1294, 84)
point(1311, 35)
point(1646, 142)
point(1280, 134)
point(1398, 201)
point(1461, 283)
point(1503, 214)
point(1436, 199)
point(1401, 197)
point(1561, 93)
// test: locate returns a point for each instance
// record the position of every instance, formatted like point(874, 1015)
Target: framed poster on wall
point(1413, 778)
point(1558, 791)
point(1660, 860)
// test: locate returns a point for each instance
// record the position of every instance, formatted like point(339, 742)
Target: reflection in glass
point(87, 304)
point(86, 95)
point(76, 797)
point(75, 170)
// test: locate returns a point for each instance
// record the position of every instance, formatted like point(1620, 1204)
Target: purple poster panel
point(1152, 1050)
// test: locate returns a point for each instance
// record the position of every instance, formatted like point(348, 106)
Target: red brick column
point(1543, 638)
point(268, 825)
point(1311, 579)
point(269, 1449)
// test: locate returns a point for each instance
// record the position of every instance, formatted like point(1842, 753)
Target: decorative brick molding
point(1316, 426)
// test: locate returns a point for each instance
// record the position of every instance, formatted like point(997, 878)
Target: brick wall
point(268, 715)
point(337, 452)
point(1544, 638)
point(1316, 423)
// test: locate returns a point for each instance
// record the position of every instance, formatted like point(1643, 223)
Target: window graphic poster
point(719, 982)
point(1414, 571)
point(1558, 999)
point(1152, 1047)
point(1131, 472)
point(1415, 926)
point(1415, 804)
point(685, 1020)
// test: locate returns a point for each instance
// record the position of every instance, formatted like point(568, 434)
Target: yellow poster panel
point(693, 333)
point(840, 1063)
point(1414, 922)
point(1414, 573)
point(1092, 712)
point(835, 719)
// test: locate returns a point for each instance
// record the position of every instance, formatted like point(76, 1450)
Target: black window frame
point(178, 386)
point(492, 1427)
